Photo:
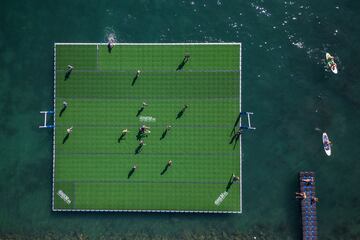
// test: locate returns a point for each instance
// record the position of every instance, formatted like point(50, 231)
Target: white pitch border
point(156, 211)
point(53, 177)
point(241, 176)
point(225, 43)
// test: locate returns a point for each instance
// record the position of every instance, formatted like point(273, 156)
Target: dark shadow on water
point(140, 111)
point(66, 138)
point(62, 111)
point(131, 172)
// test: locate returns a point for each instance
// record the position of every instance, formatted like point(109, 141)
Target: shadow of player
point(140, 135)
point(134, 79)
point(182, 64)
point(67, 74)
point(131, 172)
point(181, 113)
point(230, 183)
point(140, 111)
point(228, 186)
point(235, 138)
point(235, 143)
point(122, 137)
point(165, 169)
point(62, 111)
point(235, 124)
point(138, 149)
point(66, 138)
point(164, 134)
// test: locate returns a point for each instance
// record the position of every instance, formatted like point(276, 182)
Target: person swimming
point(331, 62)
point(111, 44)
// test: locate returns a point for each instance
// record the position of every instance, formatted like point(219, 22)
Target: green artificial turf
point(92, 166)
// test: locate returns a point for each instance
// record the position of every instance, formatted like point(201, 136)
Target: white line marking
point(240, 135)
point(162, 211)
point(53, 177)
point(212, 43)
point(157, 211)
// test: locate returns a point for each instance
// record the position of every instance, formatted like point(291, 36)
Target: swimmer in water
point(111, 44)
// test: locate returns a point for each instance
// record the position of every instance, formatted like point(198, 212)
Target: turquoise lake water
point(285, 83)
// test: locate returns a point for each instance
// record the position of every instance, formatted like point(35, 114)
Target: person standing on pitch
point(186, 57)
point(68, 71)
point(166, 167)
point(65, 104)
point(110, 44)
point(184, 61)
point(123, 134)
point(132, 171)
point(139, 147)
point(68, 132)
point(167, 129)
point(184, 108)
point(144, 104)
point(144, 129)
point(233, 179)
point(136, 77)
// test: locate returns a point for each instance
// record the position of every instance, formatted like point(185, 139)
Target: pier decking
point(308, 206)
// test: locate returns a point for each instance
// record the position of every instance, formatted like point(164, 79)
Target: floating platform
point(308, 207)
point(101, 94)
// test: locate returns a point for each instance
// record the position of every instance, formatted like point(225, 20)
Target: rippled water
point(285, 82)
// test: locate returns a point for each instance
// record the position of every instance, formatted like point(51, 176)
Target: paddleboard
point(331, 63)
point(327, 147)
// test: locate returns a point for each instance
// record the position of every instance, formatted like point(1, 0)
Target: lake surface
point(285, 82)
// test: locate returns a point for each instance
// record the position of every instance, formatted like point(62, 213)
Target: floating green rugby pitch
point(91, 168)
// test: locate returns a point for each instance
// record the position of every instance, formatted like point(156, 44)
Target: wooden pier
point(308, 206)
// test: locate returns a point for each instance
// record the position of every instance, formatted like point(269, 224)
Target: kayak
point(327, 146)
point(331, 63)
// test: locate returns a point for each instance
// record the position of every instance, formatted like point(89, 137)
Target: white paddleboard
point(331, 63)
point(327, 146)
